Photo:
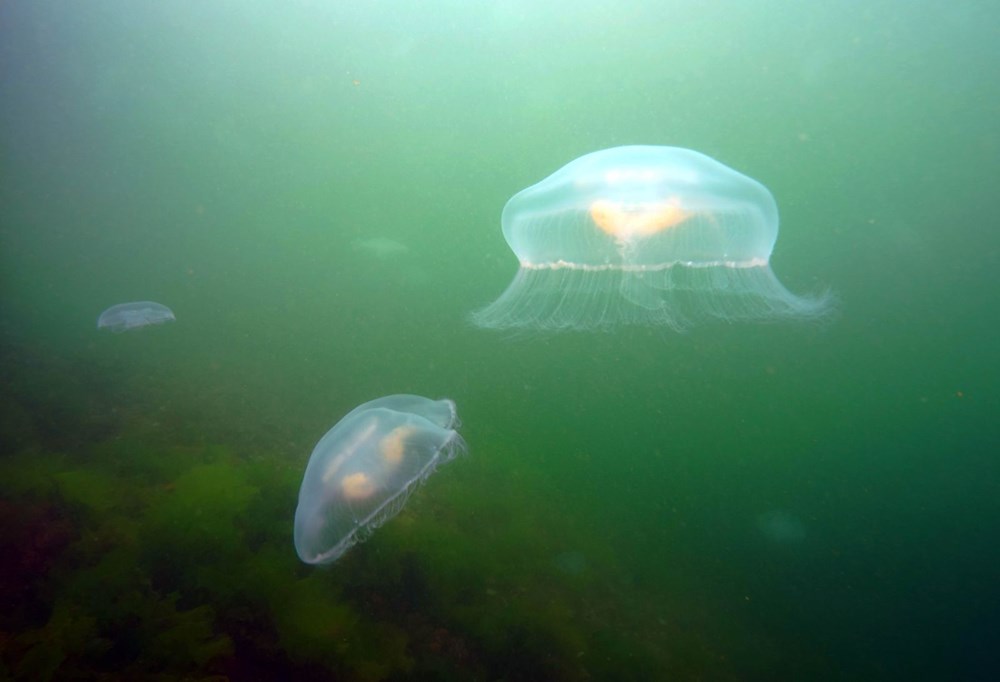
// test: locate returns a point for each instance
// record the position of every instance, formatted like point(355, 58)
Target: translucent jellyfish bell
point(642, 235)
point(362, 471)
point(126, 316)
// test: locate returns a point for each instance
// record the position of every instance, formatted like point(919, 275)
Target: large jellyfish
point(642, 235)
point(362, 471)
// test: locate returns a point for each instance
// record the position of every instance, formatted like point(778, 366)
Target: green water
point(227, 158)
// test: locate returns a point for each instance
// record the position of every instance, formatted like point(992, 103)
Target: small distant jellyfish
point(642, 235)
point(362, 471)
point(381, 248)
point(126, 316)
point(781, 527)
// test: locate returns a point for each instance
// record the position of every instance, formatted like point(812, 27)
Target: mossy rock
point(200, 510)
point(94, 490)
point(316, 625)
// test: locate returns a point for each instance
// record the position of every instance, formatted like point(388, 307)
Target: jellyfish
point(572, 562)
point(643, 235)
point(126, 316)
point(781, 527)
point(362, 471)
point(380, 248)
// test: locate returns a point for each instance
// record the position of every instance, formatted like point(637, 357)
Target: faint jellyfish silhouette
point(572, 562)
point(362, 471)
point(126, 316)
point(642, 235)
point(781, 527)
point(380, 248)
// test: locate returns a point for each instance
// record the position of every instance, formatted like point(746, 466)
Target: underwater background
point(314, 188)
